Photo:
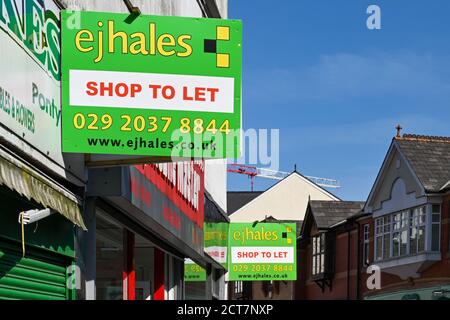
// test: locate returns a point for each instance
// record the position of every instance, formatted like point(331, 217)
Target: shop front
point(209, 283)
point(38, 219)
point(441, 292)
point(147, 220)
point(37, 181)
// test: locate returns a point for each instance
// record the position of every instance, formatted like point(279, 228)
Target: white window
point(435, 227)
point(404, 232)
point(400, 233)
point(379, 239)
point(366, 235)
point(318, 254)
point(238, 287)
point(417, 227)
point(382, 237)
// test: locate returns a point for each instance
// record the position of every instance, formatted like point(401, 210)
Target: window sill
point(322, 276)
point(408, 266)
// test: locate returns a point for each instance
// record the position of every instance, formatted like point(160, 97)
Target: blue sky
point(335, 89)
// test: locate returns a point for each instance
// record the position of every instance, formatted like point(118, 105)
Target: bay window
point(405, 232)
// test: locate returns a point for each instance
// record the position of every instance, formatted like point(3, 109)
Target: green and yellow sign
point(193, 272)
point(216, 241)
point(265, 251)
point(216, 246)
point(154, 86)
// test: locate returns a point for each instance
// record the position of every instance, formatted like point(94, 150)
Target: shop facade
point(126, 239)
point(143, 221)
point(36, 259)
point(208, 283)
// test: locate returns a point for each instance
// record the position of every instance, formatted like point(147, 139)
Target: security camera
point(34, 215)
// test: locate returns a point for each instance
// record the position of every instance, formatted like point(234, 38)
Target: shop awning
point(20, 177)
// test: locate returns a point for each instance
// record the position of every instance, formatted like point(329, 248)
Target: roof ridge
point(423, 138)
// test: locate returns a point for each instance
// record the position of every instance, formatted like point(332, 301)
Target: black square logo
point(284, 235)
point(210, 46)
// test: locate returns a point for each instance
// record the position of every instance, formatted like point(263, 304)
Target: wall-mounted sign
point(265, 251)
point(158, 86)
point(216, 241)
point(29, 82)
point(193, 272)
point(216, 246)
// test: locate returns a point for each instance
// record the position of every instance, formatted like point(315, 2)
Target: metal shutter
point(40, 275)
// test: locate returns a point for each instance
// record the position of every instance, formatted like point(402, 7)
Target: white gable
point(396, 186)
point(286, 200)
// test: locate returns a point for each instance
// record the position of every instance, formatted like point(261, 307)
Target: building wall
point(287, 200)
point(341, 288)
point(282, 290)
point(216, 181)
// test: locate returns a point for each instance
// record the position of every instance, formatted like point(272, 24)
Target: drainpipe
point(358, 262)
point(348, 263)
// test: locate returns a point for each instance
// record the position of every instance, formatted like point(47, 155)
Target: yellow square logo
point(223, 33)
point(223, 60)
point(289, 240)
point(288, 229)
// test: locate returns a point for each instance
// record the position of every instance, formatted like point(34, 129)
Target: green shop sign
point(193, 272)
point(155, 86)
point(216, 246)
point(216, 241)
point(265, 251)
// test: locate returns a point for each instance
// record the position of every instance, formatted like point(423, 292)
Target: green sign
point(193, 272)
point(153, 86)
point(216, 246)
point(265, 251)
point(216, 241)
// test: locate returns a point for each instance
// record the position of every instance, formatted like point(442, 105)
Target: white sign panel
point(151, 91)
point(262, 255)
point(217, 253)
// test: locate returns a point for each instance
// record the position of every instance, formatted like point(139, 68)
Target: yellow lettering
point(139, 45)
point(152, 38)
point(162, 43)
point(113, 35)
point(79, 39)
point(100, 45)
point(187, 47)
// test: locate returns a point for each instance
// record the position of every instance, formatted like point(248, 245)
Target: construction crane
point(252, 172)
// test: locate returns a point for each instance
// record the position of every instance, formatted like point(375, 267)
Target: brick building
point(327, 251)
point(409, 231)
point(403, 230)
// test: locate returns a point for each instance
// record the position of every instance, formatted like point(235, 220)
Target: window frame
point(432, 223)
point(366, 245)
point(415, 220)
point(318, 263)
point(238, 287)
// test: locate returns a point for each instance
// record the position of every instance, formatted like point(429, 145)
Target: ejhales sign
point(158, 86)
